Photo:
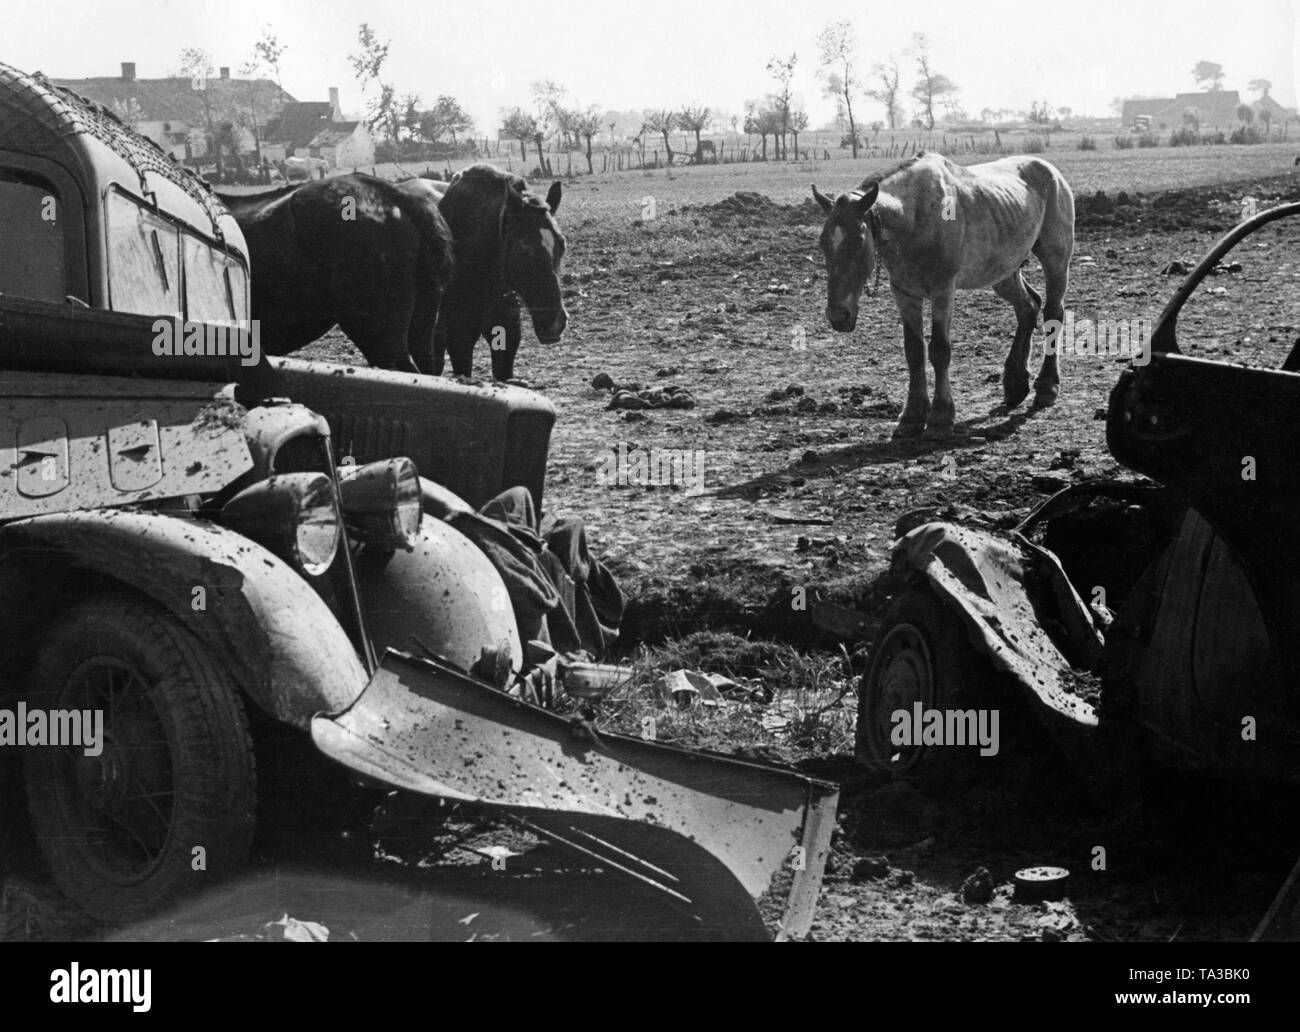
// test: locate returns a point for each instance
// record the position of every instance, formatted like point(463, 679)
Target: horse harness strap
point(877, 236)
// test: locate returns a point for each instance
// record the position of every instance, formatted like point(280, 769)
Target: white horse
point(940, 228)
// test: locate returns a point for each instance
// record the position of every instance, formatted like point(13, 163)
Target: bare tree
point(367, 66)
point(1208, 71)
point(445, 119)
point(931, 86)
point(1260, 86)
point(586, 124)
point(518, 124)
point(798, 123)
point(548, 104)
point(782, 70)
point(694, 118)
point(663, 122)
point(886, 76)
point(1040, 114)
point(196, 65)
point(269, 51)
point(838, 47)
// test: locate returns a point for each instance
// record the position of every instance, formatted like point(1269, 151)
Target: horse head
point(849, 245)
point(532, 249)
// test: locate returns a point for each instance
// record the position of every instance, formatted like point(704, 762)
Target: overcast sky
point(1001, 53)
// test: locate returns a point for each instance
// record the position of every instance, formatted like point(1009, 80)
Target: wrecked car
point(187, 536)
point(1155, 617)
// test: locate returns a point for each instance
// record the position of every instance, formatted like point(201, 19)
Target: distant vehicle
point(1142, 124)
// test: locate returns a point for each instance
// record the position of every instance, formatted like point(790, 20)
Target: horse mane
point(475, 206)
point(877, 178)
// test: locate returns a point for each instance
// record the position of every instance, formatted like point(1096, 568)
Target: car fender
point(257, 614)
point(445, 596)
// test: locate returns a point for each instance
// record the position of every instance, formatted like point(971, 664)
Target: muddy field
point(710, 280)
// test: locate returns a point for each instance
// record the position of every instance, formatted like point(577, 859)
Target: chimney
point(128, 71)
point(225, 71)
point(335, 114)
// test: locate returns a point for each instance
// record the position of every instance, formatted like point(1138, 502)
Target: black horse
point(353, 251)
point(508, 252)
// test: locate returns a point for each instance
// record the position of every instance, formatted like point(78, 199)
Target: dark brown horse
point(353, 251)
point(508, 252)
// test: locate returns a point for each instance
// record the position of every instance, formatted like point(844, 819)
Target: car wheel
point(168, 804)
point(921, 655)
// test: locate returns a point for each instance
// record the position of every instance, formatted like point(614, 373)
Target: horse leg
point(1023, 298)
point(1055, 258)
point(943, 412)
point(505, 329)
point(420, 336)
point(917, 409)
point(384, 349)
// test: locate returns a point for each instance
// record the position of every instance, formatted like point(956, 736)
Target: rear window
point(144, 274)
point(215, 285)
point(32, 260)
point(157, 267)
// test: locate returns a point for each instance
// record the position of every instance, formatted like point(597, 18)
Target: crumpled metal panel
point(714, 833)
point(81, 442)
point(984, 576)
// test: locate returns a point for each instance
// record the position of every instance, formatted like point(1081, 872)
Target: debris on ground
point(871, 868)
point(978, 888)
point(672, 396)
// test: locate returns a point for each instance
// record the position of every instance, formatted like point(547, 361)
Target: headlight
point(292, 515)
point(381, 502)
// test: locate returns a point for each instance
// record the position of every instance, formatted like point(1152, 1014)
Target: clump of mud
point(750, 208)
point(1212, 209)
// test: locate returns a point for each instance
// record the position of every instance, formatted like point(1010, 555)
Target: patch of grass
point(789, 705)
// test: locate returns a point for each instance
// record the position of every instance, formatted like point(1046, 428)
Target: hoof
point(1045, 397)
point(938, 432)
point(908, 430)
point(1014, 392)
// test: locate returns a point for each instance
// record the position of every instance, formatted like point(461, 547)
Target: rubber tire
point(213, 774)
point(933, 636)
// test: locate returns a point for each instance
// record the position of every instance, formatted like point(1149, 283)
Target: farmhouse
point(1214, 109)
point(177, 116)
point(318, 129)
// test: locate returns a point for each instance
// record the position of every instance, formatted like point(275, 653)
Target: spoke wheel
point(163, 803)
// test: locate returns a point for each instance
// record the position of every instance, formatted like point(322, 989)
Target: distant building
point(317, 129)
point(1277, 114)
point(174, 114)
point(1214, 109)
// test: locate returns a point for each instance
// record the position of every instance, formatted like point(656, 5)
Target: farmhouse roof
point(300, 121)
point(1217, 107)
point(1274, 109)
point(174, 99)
